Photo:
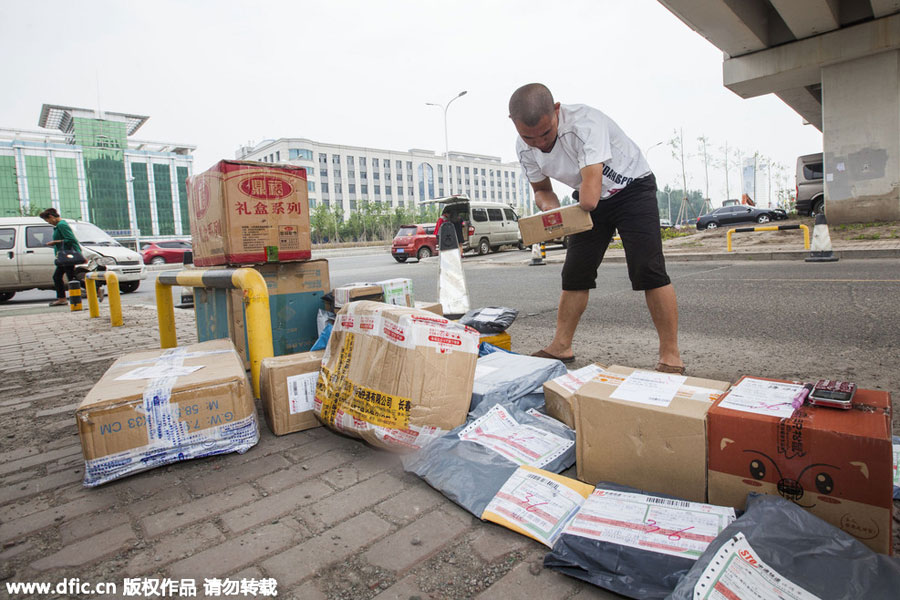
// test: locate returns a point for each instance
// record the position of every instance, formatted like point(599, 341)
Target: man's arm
point(544, 196)
point(591, 186)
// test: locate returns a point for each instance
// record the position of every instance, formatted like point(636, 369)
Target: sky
point(218, 75)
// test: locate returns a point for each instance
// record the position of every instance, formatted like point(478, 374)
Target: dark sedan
point(738, 214)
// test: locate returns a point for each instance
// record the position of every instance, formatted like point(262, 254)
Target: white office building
point(346, 175)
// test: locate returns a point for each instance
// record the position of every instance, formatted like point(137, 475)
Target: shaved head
point(530, 103)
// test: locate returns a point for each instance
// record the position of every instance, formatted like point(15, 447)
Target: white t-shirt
point(586, 136)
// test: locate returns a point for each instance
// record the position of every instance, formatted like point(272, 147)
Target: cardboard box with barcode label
point(396, 377)
point(837, 464)
point(555, 223)
point(287, 390)
point(244, 212)
point(645, 429)
point(157, 407)
point(559, 393)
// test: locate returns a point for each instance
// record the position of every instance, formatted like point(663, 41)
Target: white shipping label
point(522, 444)
point(762, 397)
point(302, 391)
point(649, 387)
point(573, 380)
point(738, 573)
point(157, 371)
point(537, 504)
point(663, 525)
point(488, 314)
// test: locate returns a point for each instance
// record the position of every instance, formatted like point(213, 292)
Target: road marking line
point(813, 280)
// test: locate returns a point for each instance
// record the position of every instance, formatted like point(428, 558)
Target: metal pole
point(445, 108)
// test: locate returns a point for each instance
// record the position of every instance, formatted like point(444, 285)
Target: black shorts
point(634, 212)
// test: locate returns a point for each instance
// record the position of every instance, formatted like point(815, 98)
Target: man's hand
point(591, 186)
point(544, 196)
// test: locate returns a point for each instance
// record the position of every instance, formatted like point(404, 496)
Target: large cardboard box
point(295, 297)
point(559, 393)
point(249, 212)
point(157, 407)
point(555, 223)
point(287, 389)
point(645, 429)
point(834, 463)
point(396, 377)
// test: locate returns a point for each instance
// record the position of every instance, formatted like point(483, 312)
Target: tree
point(677, 146)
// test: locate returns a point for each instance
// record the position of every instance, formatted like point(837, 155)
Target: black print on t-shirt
point(616, 177)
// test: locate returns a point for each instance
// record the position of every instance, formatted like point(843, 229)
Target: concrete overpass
point(835, 62)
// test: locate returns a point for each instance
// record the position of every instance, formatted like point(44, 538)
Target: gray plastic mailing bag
point(470, 464)
point(632, 548)
point(500, 376)
point(798, 550)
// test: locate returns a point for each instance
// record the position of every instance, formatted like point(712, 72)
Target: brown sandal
point(543, 354)
point(672, 369)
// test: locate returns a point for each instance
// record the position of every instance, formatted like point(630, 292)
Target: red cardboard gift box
point(834, 463)
point(249, 212)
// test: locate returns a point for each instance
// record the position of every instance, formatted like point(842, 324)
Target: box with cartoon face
point(834, 463)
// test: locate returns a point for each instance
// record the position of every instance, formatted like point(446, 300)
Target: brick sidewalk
point(326, 516)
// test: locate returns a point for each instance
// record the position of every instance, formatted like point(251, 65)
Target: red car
point(157, 253)
point(414, 241)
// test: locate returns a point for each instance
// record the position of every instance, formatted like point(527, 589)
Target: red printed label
point(445, 339)
point(552, 219)
point(202, 198)
point(266, 187)
point(394, 332)
point(346, 321)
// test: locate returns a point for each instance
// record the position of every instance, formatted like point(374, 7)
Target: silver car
point(810, 184)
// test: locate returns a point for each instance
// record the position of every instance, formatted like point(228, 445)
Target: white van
point(486, 225)
point(26, 261)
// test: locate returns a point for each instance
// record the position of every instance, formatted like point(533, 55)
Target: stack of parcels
point(256, 215)
point(645, 429)
point(398, 291)
point(157, 407)
point(837, 464)
point(396, 377)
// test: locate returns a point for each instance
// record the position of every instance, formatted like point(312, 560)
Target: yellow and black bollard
point(74, 293)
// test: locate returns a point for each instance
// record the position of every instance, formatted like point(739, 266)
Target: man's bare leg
point(571, 307)
point(664, 311)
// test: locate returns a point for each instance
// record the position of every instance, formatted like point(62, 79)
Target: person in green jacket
point(63, 236)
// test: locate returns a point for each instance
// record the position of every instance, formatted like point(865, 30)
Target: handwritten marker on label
point(800, 398)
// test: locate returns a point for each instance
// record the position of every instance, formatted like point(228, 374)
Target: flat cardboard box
point(353, 292)
point(157, 407)
point(653, 441)
point(432, 307)
point(398, 292)
point(835, 463)
point(396, 377)
point(287, 389)
point(555, 223)
point(559, 393)
point(295, 297)
point(244, 212)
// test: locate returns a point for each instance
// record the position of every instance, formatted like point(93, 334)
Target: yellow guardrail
point(770, 228)
point(115, 297)
point(256, 297)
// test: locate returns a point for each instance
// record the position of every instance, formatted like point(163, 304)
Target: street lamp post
point(649, 148)
point(446, 139)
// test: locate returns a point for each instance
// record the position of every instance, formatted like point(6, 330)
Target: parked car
point(810, 184)
point(486, 225)
point(26, 261)
point(414, 241)
point(727, 215)
point(157, 253)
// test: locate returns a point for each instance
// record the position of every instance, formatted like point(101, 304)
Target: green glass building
point(87, 165)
